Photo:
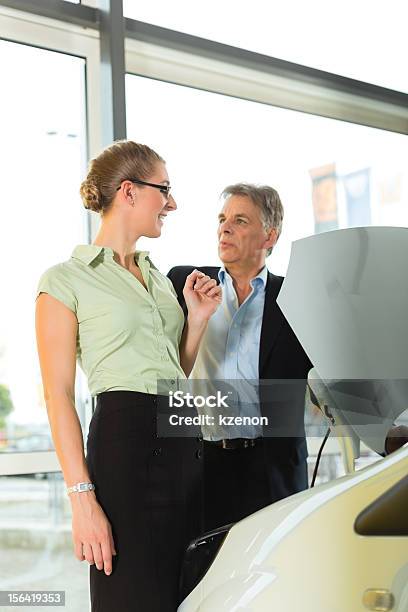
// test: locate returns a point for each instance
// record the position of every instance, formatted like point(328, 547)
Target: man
point(249, 339)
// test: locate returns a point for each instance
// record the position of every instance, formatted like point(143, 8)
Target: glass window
point(330, 174)
point(36, 541)
point(362, 40)
point(42, 123)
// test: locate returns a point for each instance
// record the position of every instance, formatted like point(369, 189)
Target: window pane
point(362, 40)
point(329, 173)
point(36, 541)
point(43, 134)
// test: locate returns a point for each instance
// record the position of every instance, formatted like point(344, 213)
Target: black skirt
point(150, 488)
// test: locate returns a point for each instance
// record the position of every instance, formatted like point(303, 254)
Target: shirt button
point(199, 454)
point(157, 452)
point(172, 382)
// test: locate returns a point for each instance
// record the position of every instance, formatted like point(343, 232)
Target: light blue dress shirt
point(229, 352)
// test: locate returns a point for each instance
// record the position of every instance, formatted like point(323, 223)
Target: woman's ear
point(127, 192)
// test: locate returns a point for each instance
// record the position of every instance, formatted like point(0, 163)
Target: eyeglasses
point(164, 189)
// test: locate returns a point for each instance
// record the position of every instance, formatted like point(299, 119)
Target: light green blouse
point(128, 338)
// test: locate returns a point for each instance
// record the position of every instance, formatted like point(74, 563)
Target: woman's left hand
point(202, 295)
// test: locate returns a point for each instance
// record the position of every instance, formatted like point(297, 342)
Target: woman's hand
point(202, 295)
point(91, 532)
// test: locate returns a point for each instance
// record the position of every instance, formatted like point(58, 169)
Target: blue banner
point(358, 197)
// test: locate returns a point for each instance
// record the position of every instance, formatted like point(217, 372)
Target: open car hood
point(346, 298)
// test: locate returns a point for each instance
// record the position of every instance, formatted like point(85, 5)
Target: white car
point(340, 547)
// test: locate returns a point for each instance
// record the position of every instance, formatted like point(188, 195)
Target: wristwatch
point(80, 487)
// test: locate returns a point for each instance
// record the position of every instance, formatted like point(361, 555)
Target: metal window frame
point(172, 56)
point(112, 66)
point(59, 10)
point(267, 65)
point(49, 35)
point(37, 462)
point(377, 108)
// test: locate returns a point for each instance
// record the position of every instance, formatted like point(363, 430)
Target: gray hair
point(266, 198)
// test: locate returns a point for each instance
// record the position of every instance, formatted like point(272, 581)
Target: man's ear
point(271, 239)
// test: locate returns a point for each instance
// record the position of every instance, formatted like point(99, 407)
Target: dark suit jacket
point(281, 358)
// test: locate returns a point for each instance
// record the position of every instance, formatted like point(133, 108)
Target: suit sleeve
point(178, 276)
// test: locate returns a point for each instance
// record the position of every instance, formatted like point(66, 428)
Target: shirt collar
point(260, 279)
point(89, 252)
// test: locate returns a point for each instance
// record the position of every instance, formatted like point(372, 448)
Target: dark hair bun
point(91, 196)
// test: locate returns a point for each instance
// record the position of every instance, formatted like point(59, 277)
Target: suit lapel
point(211, 271)
point(271, 321)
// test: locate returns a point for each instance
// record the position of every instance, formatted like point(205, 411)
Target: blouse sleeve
point(171, 287)
point(54, 283)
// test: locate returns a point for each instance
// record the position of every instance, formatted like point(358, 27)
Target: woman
point(138, 502)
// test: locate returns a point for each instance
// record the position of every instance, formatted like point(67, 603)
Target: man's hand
point(396, 437)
